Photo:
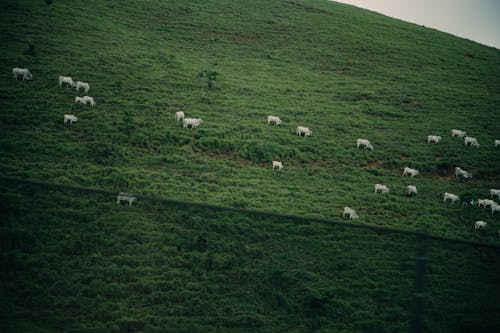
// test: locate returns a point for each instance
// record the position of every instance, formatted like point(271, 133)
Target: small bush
point(265, 152)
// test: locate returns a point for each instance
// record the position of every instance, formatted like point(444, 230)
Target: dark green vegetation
point(85, 264)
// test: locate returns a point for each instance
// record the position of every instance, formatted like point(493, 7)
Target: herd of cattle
point(192, 123)
point(411, 190)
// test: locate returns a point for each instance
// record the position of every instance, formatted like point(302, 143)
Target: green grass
point(343, 72)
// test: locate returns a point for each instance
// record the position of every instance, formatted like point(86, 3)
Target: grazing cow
point(88, 100)
point(84, 85)
point(494, 192)
point(278, 165)
point(130, 198)
point(70, 118)
point(179, 115)
point(461, 172)
point(485, 203)
point(303, 131)
point(24, 73)
point(79, 100)
point(453, 198)
point(497, 143)
point(479, 224)
point(433, 138)
point(381, 188)
point(364, 143)
point(411, 190)
point(350, 212)
point(458, 133)
point(67, 80)
point(274, 119)
point(471, 141)
point(495, 208)
point(193, 122)
point(410, 171)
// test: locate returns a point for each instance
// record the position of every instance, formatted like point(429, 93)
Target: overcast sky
point(477, 20)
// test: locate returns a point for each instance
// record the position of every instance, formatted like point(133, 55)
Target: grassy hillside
point(343, 72)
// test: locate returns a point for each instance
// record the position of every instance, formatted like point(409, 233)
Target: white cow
point(485, 203)
point(381, 188)
point(433, 138)
point(458, 133)
point(193, 122)
point(67, 80)
point(471, 141)
point(179, 115)
point(497, 143)
point(461, 172)
point(479, 224)
point(130, 198)
point(303, 131)
point(88, 100)
point(85, 100)
point(84, 85)
point(70, 118)
point(411, 189)
point(278, 165)
point(350, 212)
point(453, 198)
point(364, 143)
point(274, 119)
point(410, 171)
point(495, 208)
point(494, 192)
point(24, 73)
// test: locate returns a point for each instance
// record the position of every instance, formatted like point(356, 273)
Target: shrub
point(265, 152)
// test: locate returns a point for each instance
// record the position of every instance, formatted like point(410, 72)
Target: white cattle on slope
point(410, 171)
point(24, 73)
point(349, 212)
point(274, 119)
point(497, 143)
point(277, 165)
point(494, 192)
point(191, 122)
point(479, 224)
point(130, 198)
point(495, 208)
point(452, 197)
point(471, 141)
point(88, 100)
point(179, 115)
point(67, 80)
point(364, 143)
point(381, 188)
point(70, 118)
point(303, 131)
point(458, 133)
point(84, 85)
point(433, 138)
point(411, 190)
point(461, 172)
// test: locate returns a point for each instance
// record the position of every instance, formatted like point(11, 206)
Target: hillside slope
point(343, 72)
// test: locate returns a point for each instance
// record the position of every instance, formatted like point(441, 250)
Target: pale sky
point(477, 20)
